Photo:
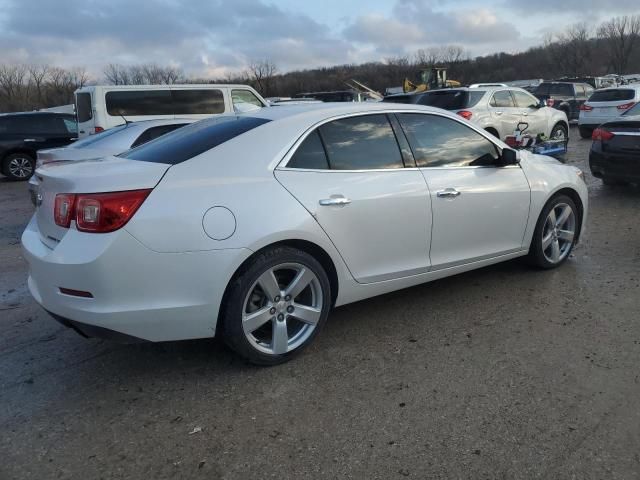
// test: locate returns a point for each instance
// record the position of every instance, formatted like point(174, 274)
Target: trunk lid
point(109, 174)
point(626, 137)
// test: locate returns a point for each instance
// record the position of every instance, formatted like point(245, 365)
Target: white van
point(100, 107)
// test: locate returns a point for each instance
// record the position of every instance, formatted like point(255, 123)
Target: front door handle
point(448, 193)
point(337, 200)
point(498, 112)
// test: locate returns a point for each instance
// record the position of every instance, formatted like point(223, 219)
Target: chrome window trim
point(282, 164)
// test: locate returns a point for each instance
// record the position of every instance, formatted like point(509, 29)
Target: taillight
point(64, 208)
point(550, 102)
point(98, 129)
point(106, 212)
point(586, 108)
point(626, 106)
point(98, 212)
point(466, 114)
point(601, 134)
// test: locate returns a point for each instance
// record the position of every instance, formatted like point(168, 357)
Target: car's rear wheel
point(585, 132)
point(18, 166)
point(276, 306)
point(555, 234)
point(559, 132)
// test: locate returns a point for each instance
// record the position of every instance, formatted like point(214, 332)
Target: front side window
point(502, 99)
point(361, 143)
point(524, 100)
point(70, 125)
point(197, 102)
point(244, 101)
point(139, 102)
point(442, 142)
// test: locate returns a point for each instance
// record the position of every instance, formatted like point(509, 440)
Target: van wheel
point(18, 166)
point(585, 132)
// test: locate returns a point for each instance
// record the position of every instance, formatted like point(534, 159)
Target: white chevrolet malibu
point(253, 226)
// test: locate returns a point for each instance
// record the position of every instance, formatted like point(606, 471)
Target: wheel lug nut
point(272, 311)
point(290, 309)
point(280, 317)
point(277, 299)
point(287, 298)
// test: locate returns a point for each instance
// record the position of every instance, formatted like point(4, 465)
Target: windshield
point(187, 142)
point(93, 140)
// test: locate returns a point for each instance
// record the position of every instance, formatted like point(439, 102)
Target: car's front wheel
point(559, 132)
point(18, 166)
point(276, 306)
point(555, 234)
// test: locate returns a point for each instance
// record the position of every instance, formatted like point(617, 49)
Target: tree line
point(611, 47)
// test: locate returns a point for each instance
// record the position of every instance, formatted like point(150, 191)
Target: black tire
point(585, 132)
point(234, 304)
point(27, 166)
point(559, 128)
point(537, 255)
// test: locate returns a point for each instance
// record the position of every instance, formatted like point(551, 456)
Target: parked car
point(605, 105)
point(565, 96)
point(23, 134)
point(200, 233)
point(111, 142)
point(593, 82)
point(100, 107)
point(498, 110)
point(615, 151)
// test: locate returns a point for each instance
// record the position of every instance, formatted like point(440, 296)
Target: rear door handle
point(498, 112)
point(339, 201)
point(525, 114)
point(448, 193)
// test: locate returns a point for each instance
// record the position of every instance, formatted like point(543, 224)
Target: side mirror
point(509, 157)
point(541, 104)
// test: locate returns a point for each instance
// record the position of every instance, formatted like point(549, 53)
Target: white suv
point(498, 110)
point(606, 104)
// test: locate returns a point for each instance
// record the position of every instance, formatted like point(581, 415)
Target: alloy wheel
point(558, 233)
point(20, 167)
point(282, 308)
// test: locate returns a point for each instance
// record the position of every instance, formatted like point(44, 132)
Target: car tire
point(260, 320)
point(557, 130)
point(554, 236)
point(18, 166)
point(585, 132)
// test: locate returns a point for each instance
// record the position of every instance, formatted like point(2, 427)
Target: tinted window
point(139, 102)
point(616, 95)
point(71, 125)
point(83, 107)
point(36, 124)
point(451, 99)
point(502, 99)
point(197, 102)
point(192, 140)
point(361, 143)
point(561, 89)
point(542, 89)
point(524, 100)
point(310, 154)
point(155, 132)
point(401, 99)
point(441, 142)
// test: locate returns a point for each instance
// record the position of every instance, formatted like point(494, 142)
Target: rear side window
point(524, 100)
point(361, 143)
point(187, 142)
point(139, 102)
point(442, 142)
point(310, 154)
point(155, 132)
point(561, 89)
point(502, 99)
point(200, 102)
point(616, 95)
point(83, 107)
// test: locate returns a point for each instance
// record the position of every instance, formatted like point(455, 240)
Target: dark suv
point(23, 134)
point(565, 96)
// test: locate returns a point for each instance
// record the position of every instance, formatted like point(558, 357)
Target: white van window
point(187, 102)
point(139, 102)
point(244, 100)
point(83, 107)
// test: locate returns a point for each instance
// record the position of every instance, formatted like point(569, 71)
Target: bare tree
point(620, 35)
point(261, 73)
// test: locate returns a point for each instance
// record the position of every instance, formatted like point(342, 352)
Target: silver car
point(496, 109)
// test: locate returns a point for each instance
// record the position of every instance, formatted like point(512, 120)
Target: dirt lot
point(503, 372)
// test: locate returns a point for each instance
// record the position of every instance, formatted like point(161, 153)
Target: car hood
point(534, 158)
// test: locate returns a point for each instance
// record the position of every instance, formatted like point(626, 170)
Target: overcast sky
point(213, 37)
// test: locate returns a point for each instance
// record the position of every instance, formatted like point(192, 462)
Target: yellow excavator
point(429, 79)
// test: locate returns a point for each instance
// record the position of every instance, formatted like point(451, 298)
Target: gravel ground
point(505, 372)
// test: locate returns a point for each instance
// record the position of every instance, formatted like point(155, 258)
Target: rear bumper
point(135, 291)
point(615, 166)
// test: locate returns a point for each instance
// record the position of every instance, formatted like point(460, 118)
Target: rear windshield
point(83, 107)
point(400, 99)
point(615, 95)
point(187, 142)
point(561, 89)
point(97, 138)
point(451, 99)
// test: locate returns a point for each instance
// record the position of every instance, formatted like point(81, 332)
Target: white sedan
point(253, 226)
